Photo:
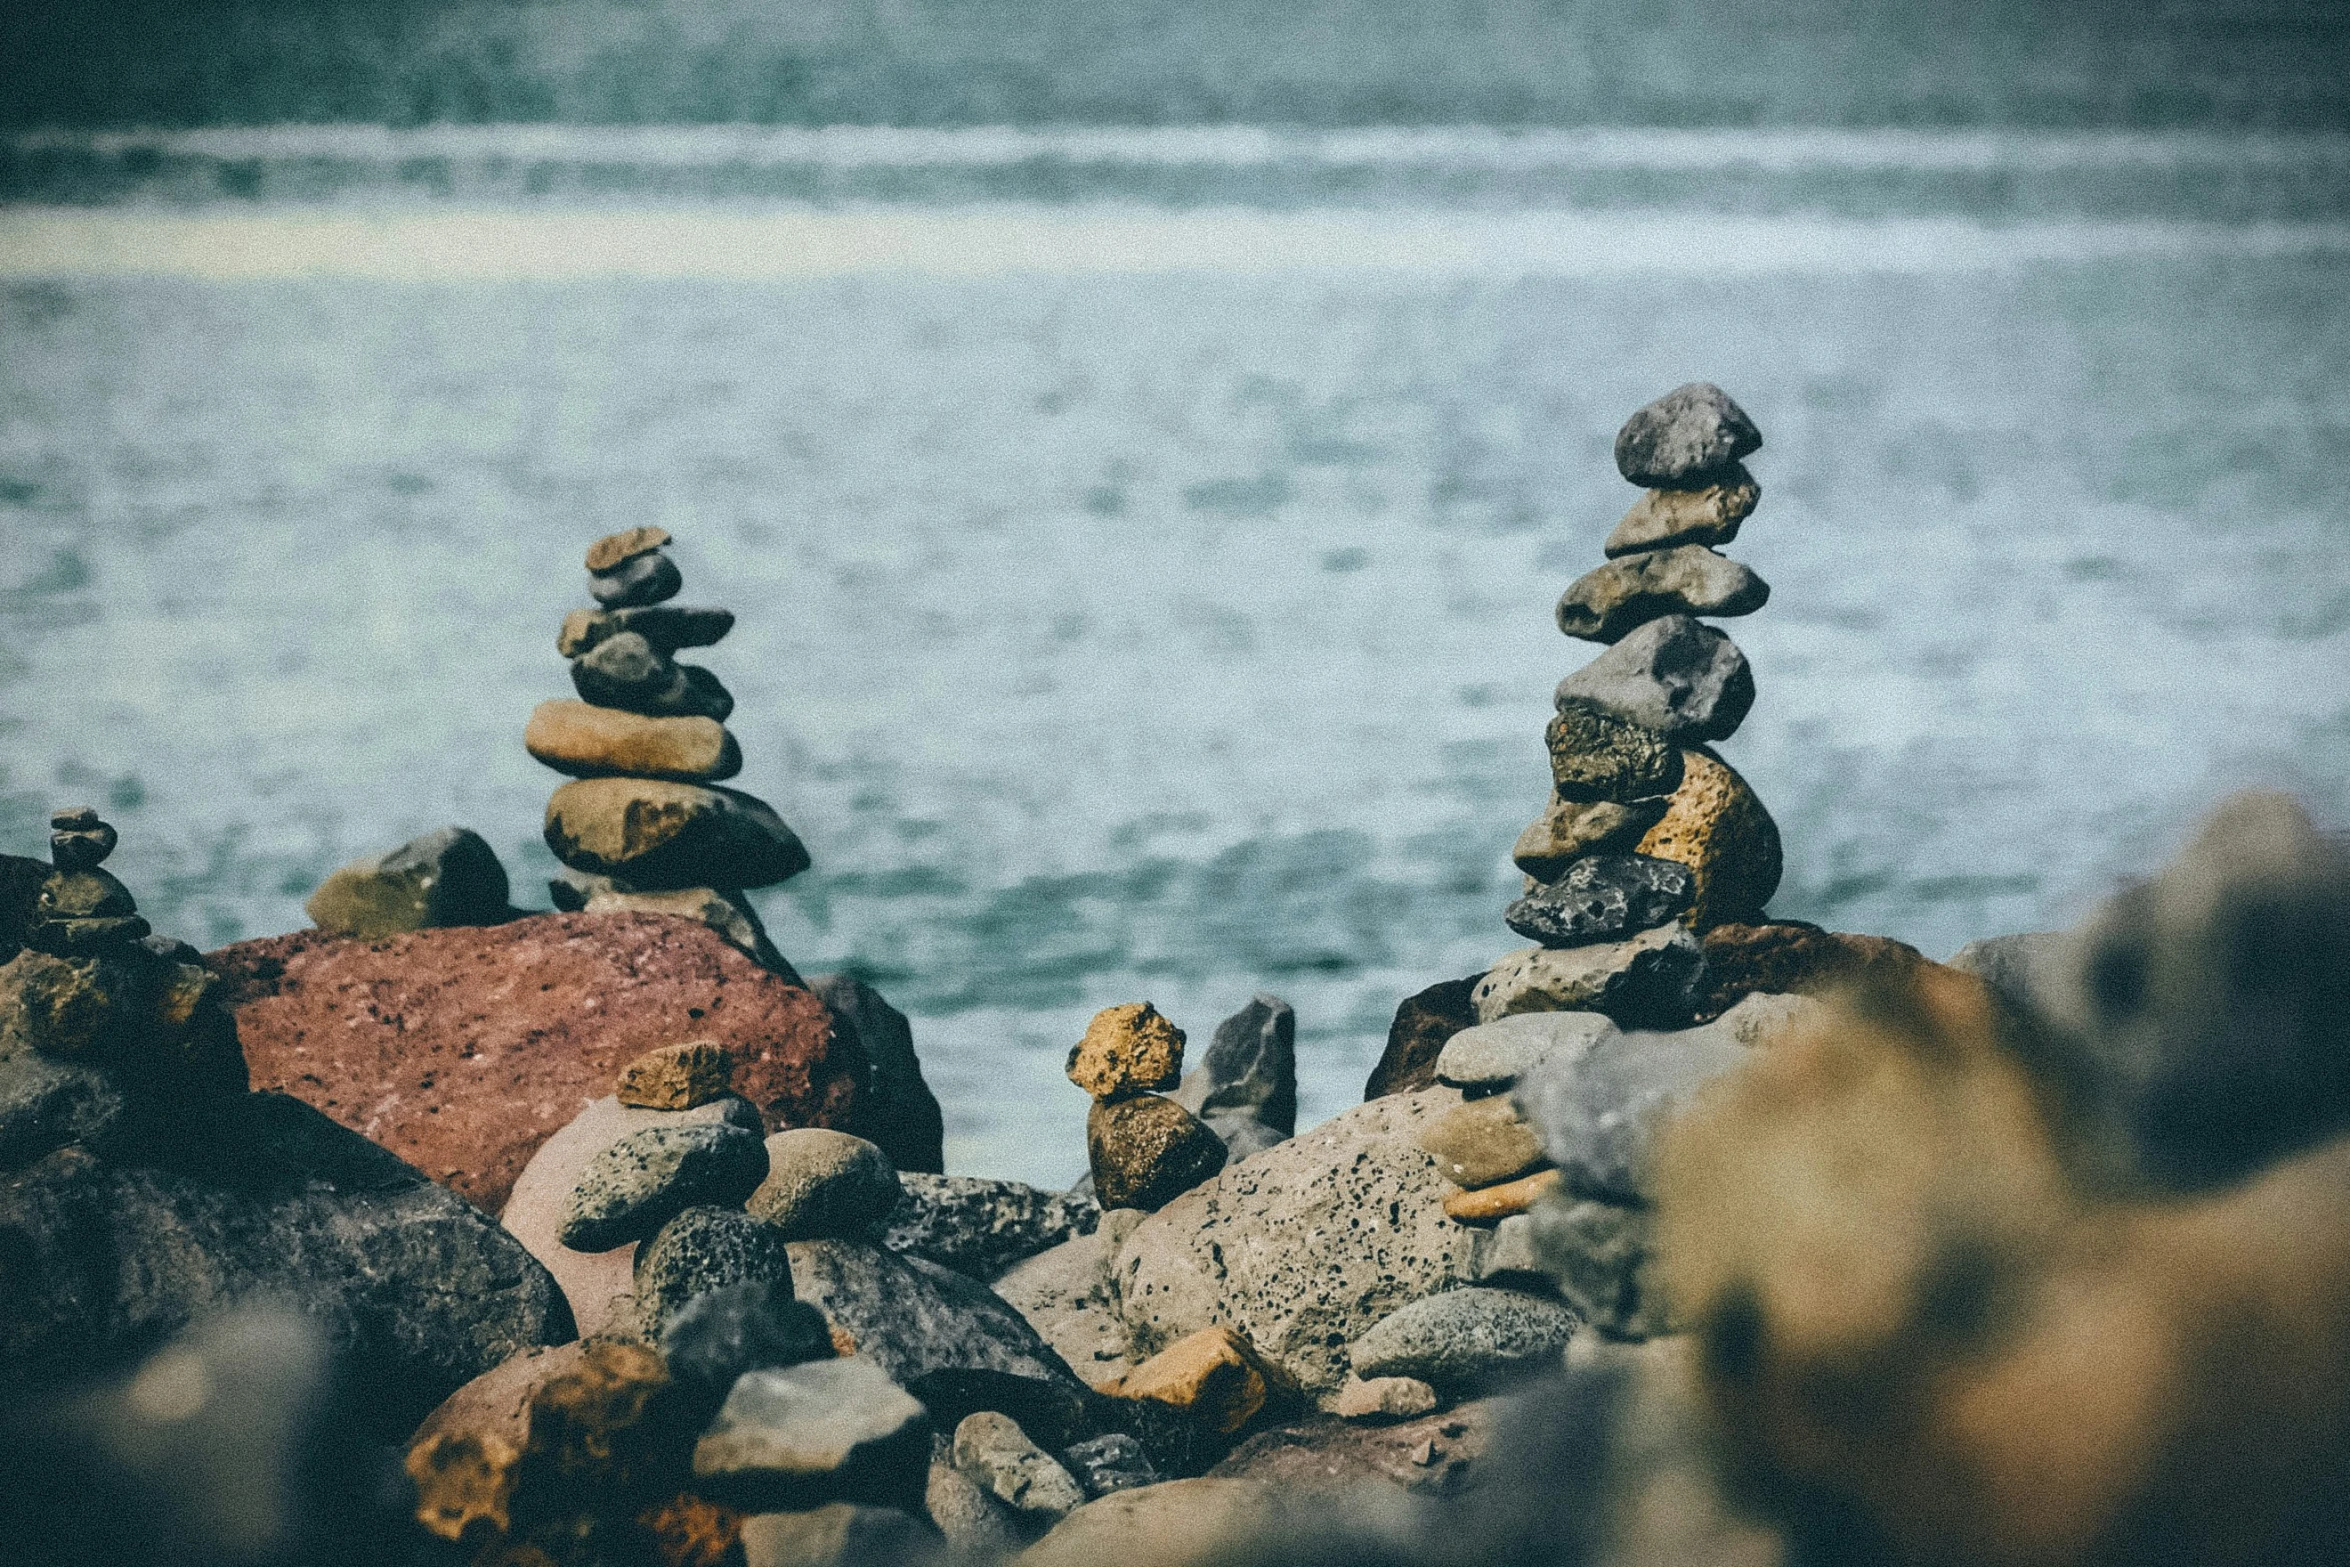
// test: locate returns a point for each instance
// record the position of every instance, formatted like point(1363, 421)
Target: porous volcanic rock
point(1716, 825)
point(463, 1050)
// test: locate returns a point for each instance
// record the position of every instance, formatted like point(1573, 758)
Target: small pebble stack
point(644, 825)
point(1145, 1149)
point(1648, 836)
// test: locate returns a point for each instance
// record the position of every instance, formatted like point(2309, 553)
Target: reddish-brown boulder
point(462, 1050)
point(1789, 957)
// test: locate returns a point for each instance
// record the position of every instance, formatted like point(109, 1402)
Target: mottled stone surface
point(824, 1185)
point(647, 1178)
point(999, 1457)
point(1688, 579)
point(1466, 1338)
point(1602, 897)
point(676, 1077)
point(1148, 1150)
point(1568, 829)
point(1127, 1049)
point(1716, 825)
point(1249, 1068)
point(1424, 1021)
point(1661, 519)
point(1673, 676)
point(825, 1430)
point(979, 1225)
point(1482, 1143)
point(1685, 438)
point(1792, 958)
point(666, 628)
point(1646, 979)
point(1598, 754)
point(1214, 1377)
point(703, 1249)
point(618, 549)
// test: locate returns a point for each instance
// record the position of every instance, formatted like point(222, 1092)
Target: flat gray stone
point(998, 1456)
point(1603, 897)
point(1464, 1338)
point(1631, 590)
point(1599, 1113)
point(824, 1185)
point(1685, 438)
point(652, 1175)
point(1491, 1056)
point(1249, 1069)
point(1675, 676)
point(1644, 979)
point(975, 1524)
point(978, 1225)
point(1506, 1255)
point(828, 1430)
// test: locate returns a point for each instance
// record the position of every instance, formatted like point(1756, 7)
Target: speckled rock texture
point(1716, 825)
point(1661, 519)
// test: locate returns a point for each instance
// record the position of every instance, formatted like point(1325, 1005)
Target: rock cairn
point(1649, 837)
point(644, 825)
point(1145, 1149)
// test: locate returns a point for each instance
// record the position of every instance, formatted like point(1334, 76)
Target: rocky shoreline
point(606, 1236)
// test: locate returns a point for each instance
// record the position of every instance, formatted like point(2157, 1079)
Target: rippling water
point(1147, 593)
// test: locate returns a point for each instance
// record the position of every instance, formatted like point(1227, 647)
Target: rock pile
point(645, 825)
point(1145, 1148)
point(1649, 837)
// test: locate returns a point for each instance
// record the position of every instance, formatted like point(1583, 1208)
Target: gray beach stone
point(1661, 519)
point(824, 1185)
point(975, 1524)
point(667, 627)
point(1603, 897)
point(1599, 1113)
point(625, 671)
point(647, 1178)
point(1066, 1295)
point(1113, 1461)
point(719, 1334)
point(998, 1456)
point(1465, 1337)
point(1491, 1056)
point(1599, 754)
point(838, 1534)
point(2021, 969)
point(978, 1225)
point(1674, 676)
point(825, 1430)
point(1250, 1068)
point(1688, 579)
point(1506, 1255)
point(1643, 980)
point(1685, 438)
point(649, 578)
point(704, 1249)
point(900, 1114)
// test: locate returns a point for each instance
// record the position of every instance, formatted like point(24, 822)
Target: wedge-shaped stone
point(617, 549)
point(1568, 829)
point(598, 742)
point(1717, 827)
point(656, 835)
point(1596, 754)
point(1604, 897)
point(1491, 1056)
point(1661, 519)
point(1645, 980)
point(1689, 579)
point(821, 1431)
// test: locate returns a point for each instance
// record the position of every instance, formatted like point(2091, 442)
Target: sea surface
point(1144, 541)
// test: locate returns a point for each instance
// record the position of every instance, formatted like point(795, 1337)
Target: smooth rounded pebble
point(1465, 1336)
point(824, 1185)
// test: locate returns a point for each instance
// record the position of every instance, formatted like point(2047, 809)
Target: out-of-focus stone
point(21, 880)
point(593, 742)
point(1506, 1254)
point(626, 672)
point(1599, 1115)
point(657, 835)
point(1644, 980)
point(719, 1334)
point(1661, 519)
point(997, 1455)
point(1423, 1023)
point(1603, 897)
point(649, 1177)
point(1128, 1049)
point(1602, 1257)
point(1215, 1377)
point(676, 1077)
point(824, 1430)
point(975, 1524)
point(900, 1115)
point(642, 579)
point(1465, 1338)
point(824, 1185)
point(1177, 1523)
point(1791, 958)
point(1496, 1203)
point(1596, 754)
point(724, 910)
point(1482, 1143)
point(1568, 830)
point(1674, 676)
point(1685, 438)
point(1383, 1399)
point(666, 628)
point(1716, 825)
point(79, 839)
point(1688, 579)
point(618, 549)
point(1352, 1466)
point(1148, 1150)
point(448, 877)
point(686, 1530)
point(980, 1226)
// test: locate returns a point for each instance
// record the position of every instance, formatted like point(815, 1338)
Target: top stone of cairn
point(1685, 438)
point(617, 549)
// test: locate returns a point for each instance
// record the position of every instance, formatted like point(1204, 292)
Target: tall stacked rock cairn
point(1649, 837)
point(645, 825)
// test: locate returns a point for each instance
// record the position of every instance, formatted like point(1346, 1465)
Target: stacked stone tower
point(644, 824)
point(1649, 837)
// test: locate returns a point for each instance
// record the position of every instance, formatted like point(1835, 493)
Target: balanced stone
point(614, 550)
point(587, 741)
point(1600, 755)
point(641, 1182)
point(719, 1334)
point(991, 1448)
point(824, 1185)
point(667, 627)
point(642, 579)
point(821, 1431)
point(1568, 829)
point(1463, 1337)
point(1482, 1143)
point(1716, 825)
point(1494, 1204)
point(704, 1249)
point(1663, 518)
point(1147, 1150)
point(1685, 438)
point(657, 835)
point(449, 877)
point(1491, 1056)
point(1688, 579)
point(676, 1077)
point(1127, 1049)
point(78, 839)
point(1601, 898)
point(626, 671)
point(83, 895)
point(1674, 676)
point(1249, 1070)
point(1644, 979)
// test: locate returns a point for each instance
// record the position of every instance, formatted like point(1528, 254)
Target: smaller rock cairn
point(1145, 1148)
point(1649, 836)
point(645, 825)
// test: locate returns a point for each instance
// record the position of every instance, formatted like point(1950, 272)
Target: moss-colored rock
point(1594, 755)
point(676, 1077)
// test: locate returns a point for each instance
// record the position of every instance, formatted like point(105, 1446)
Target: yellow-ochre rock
point(1129, 1049)
point(1715, 825)
point(597, 742)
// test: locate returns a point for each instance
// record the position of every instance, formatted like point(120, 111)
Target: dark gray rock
point(1685, 438)
point(450, 876)
point(1599, 1112)
point(719, 1334)
point(1249, 1069)
point(77, 938)
point(979, 1226)
point(822, 1431)
point(947, 1339)
point(1148, 1150)
point(899, 1115)
point(1000, 1459)
point(262, 1199)
point(1598, 754)
point(1463, 1339)
point(1675, 676)
point(626, 672)
point(1113, 1461)
point(21, 880)
point(1602, 1258)
point(1603, 897)
point(705, 1249)
point(668, 627)
point(1506, 1256)
point(649, 1177)
point(650, 578)
point(1608, 601)
point(78, 839)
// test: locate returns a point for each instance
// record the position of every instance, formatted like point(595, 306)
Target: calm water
point(1147, 595)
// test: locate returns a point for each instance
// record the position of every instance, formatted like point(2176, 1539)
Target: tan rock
point(1663, 518)
point(657, 835)
point(1608, 601)
point(1716, 826)
point(1216, 1376)
point(1647, 976)
point(1568, 830)
point(1127, 1049)
point(676, 1077)
point(1383, 1398)
point(691, 1531)
point(596, 742)
point(1176, 1523)
point(616, 549)
point(1492, 1204)
point(1483, 1143)
point(1148, 1150)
